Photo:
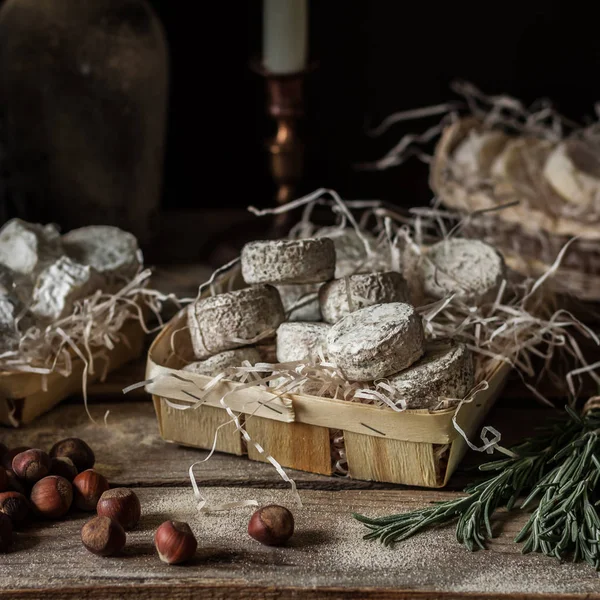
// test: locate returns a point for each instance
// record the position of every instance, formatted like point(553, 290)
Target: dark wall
point(375, 57)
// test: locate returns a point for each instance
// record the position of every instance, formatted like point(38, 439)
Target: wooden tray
point(414, 447)
point(22, 397)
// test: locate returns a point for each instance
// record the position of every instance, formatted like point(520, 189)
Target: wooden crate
point(22, 395)
point(413, 447)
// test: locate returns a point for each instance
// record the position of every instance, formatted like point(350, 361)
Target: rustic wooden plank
point(294, 445)
point(327, 551)
point(131, 451)
point(378, 459)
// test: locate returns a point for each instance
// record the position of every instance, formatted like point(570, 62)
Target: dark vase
point(83, 93)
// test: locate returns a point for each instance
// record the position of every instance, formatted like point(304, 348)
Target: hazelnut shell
point(52, 496)
point(31, 465)
point(87, 489)
point(175, 542)
point(77, 450)
point(14, 505)
point(103, 536)
point(271, 525)
point(8, 456)
point(63, 467)
point(122, 505)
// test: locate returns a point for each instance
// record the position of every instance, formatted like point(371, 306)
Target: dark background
point(375, 57)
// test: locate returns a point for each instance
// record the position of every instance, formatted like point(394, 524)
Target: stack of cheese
point(44, 274)
point(554, 187)
point(365, 325)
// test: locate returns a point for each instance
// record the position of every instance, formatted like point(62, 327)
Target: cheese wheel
point(59, 286)
point(224, 360)
point(288, 261)
point(376, 341)
point(471, 269)
point(573, 170)
point(112, 252)
point(27, 248)
point(444, 371)
point(300, 341)
point(306, 299)
point(476, 153)
point(340, 297)
point(233, 319)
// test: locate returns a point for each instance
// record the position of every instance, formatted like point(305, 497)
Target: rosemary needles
point(559, 469)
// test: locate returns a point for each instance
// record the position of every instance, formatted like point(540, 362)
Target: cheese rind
point(305, 296)
point(376, 341)
point(224, 360)
point(233, 319)
point(300, 341)
point(288, 261)
point(27, 248)
point(112, 252)
point(59, 286)
point(471, 269)
point(444, 371)
point(340, 297)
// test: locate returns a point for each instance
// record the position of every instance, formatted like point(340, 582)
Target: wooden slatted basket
point(414, 447)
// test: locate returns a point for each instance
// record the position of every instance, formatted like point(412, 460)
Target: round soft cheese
point(304, 298)
point(471, 269)
point(340, 297)
point(376, 341)
point(224, 360)
point(233, 319)
point(300, 341)
point(288, 261)
point(444, 371)
point(109, 250)
point(27, 248)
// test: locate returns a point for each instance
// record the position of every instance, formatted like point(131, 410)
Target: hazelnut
point(122, 505)
point(271, 525)
point(175, 542)
point(52, 497)
point(6, 533)
point(103, 536)
point(3, 479)
point(14, 484)
point(8, 456)
point(15, 506)
point(75, 449)
point(63, 467)
point(31, 465)
point(88, 487)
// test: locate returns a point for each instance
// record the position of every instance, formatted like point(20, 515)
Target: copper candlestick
point(285, 104)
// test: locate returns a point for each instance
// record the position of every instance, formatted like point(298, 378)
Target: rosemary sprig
point(560, 467)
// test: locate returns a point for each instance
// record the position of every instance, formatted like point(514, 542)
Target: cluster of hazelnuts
point(48, 484)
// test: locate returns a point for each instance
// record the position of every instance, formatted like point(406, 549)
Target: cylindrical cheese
point(220, 362)
point(376, 341)
point(233, 319)
point(288, 261)
point(445, 371)
point(470, 269)
point(340, 297)
point(300, 341)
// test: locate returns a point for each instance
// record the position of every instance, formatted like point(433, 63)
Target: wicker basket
point(414, 447)
point(529, 237)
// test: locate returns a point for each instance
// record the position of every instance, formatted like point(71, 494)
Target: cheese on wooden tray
point(220, 362)
point(300, 341)
point(471, 269)
point(288, 261)
point(27, 248)
point(340, 297)
point(376, 341)
point(112, 252)
point(444, 371)
point(573, 170)
point(233, 319)
point(59, 286)
point(305, 296)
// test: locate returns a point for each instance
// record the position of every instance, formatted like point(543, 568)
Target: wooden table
point(327, 557)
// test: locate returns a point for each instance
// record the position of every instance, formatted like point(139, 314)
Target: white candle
point(285, 29)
